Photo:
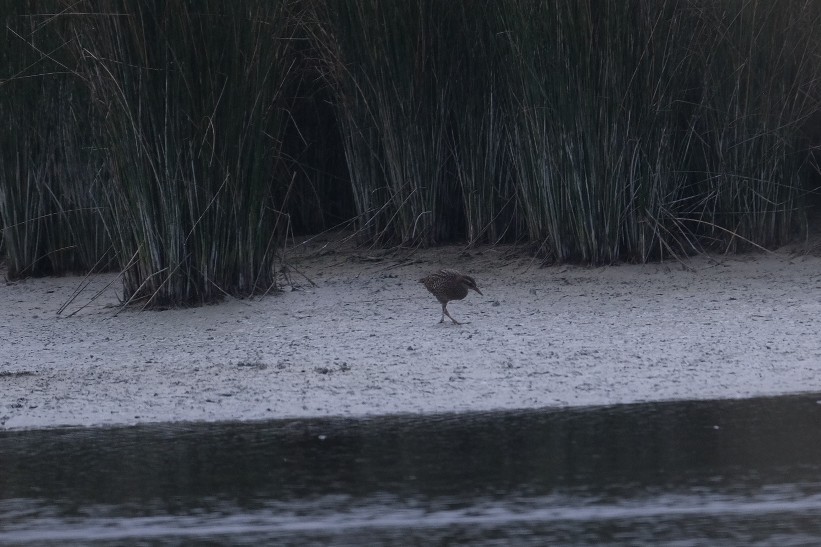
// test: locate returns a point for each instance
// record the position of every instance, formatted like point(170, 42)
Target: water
point(692, 473)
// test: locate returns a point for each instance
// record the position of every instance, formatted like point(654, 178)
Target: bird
point(447, 285)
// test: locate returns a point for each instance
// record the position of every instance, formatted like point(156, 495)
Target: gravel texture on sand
point(365, 340)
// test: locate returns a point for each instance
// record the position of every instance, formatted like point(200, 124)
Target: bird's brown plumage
point(447, 285)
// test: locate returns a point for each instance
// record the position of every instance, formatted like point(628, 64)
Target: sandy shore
point(366, 340)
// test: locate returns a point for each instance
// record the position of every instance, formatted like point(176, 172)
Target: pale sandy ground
point(366, 340)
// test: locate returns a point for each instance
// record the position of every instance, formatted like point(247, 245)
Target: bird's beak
point(477, 290)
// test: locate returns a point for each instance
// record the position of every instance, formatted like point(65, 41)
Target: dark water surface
point(687, 473)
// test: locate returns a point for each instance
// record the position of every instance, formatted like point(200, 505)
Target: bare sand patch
point(366, 340)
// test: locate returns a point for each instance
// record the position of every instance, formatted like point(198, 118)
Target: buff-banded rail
point(447, 285)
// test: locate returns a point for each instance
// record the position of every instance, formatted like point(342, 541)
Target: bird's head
point(470, 283)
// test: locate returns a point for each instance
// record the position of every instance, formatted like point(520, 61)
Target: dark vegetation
point(182, 142)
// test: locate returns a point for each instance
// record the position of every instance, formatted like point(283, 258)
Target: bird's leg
point(445, 312)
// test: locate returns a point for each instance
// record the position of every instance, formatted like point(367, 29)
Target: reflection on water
point(730, 471)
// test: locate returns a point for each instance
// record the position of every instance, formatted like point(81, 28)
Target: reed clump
point(195, 101)
point(758, 91)
point(388, 71)
point(644, 129)
point(49, 172)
